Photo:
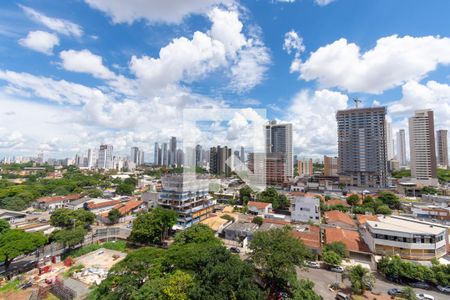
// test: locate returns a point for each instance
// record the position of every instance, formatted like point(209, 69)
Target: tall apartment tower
point(105, 157)
point(401, 147)
point(165, 155)
point(330, 166)
point(242, 154)
point(423, 147)
point(91, 159)
point(173, 151)
point(279, 140)
point(198, 156)
point(157, 155)
point(362, 159)
point(135, 155)
point(305, 167)
point(218, 160)
point(389, 141)
point(442, 148)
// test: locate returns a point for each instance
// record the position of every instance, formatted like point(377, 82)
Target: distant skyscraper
point(91, 159)
point(305, 167)
point(105, 157)
point(198, 156)
point(165, 155)
point(242, 155)
point(330, 166)
point(362, 146)
point(218, 160)
point(423, 147)
point(157, 155)
point(173, 151)
point(401, 147)
point(442, 148)
point(135, 155)
point(180, 157)
point(279, 140)
point(389, 141)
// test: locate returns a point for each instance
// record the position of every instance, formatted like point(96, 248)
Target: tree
point(361, 279)
point(352, 199)
point(227, 217)
point(197, 233)
point(383, 210)
point(4, 226)
point(245, 194)
point(152, 227)
point(67, 218)
point(270, 195)
point(69, 237)
point(125, 189)
point(429, 190)
point(95, 193)
point(337, 247)
point(408, 293)
point(332, 258)
point(276, 252)
point(258, 220)
point(114, 215)
point(390, 199)
point(303, 289)
point(175, 286)
point(14, 243)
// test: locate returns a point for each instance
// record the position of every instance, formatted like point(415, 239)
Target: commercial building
point(52, 203)
point(219, 163)
point(423, 147)
point(330, 166)
point(305, 167)
point(156, 155)
point(401, 147)
point(105, 157)
point(409, 238)
point(188, 196)
point(279, 140)
point(305, 209)
point(362, 146)
point(173, 151)
point(137, 156)
point(442, 148)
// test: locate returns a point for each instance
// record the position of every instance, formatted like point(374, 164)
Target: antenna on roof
point(357, 102)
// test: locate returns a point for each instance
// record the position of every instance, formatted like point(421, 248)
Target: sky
point(75, 74)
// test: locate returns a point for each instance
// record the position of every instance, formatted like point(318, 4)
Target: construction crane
point(357, 102)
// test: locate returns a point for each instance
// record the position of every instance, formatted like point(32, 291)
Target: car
point(342, 296)
point(394, 292)
point(235, 250)
point(421, 296)
point(26, 285)
point(337, 269)
point(313, 264)
point(420, 285)
point(444, 289)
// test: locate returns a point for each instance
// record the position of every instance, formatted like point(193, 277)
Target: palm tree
point(361, 279)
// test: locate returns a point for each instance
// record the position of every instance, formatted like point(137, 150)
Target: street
point(323, 278)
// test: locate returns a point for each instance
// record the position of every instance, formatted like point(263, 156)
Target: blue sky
point(74, 74)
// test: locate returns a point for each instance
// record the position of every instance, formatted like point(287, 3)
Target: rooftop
point(58, 198)
point(403, 225)
point(310, 237)
point(337, 202)
point(125, 208)
point(350, 238)
point(258, 205)
point(92, 205)
point(362, 219)
point(245, 227)
point(338, 216)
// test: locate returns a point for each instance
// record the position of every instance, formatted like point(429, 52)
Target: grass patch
point(12, 285)
point(118, 245)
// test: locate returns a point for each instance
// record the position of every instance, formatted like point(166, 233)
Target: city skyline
point(69, 77)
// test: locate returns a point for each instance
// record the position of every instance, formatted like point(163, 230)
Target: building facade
point(362, 159)
point(105, 157)
point(442, 148)
point(401, 147)
point(305, 167)
point(305, 209)
point(423, 147)
point(219, 163)
point(279, 140)
point(330, 166)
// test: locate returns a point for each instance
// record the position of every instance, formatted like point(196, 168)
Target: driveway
point(323, 278)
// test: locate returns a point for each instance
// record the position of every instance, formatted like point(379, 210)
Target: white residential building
point(305, 209)
point(409, 238)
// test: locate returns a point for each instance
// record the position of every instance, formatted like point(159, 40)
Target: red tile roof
point(311, 237)
point(275, 221)
point(71, 197)
point(337, 202)
point(338, 216)
point(350, 238)
point(363, 218)
point(92, 205)
point(258, 205)
point(125, 208)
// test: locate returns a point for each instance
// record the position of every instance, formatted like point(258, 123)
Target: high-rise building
point(362, 159)
point(242, 154)
point(389, 141)
point(305, 167)
point(91, 158)
point(173, 151)
point(442, 148)
point(401, 147)
point(165, 155)
point(157, 155)
point(422, 147)
point(105, 157)
point(218, 160)
point(330, 166)
point(135, 155)
point(198, 156)
point(279, 140)
point(180, 157)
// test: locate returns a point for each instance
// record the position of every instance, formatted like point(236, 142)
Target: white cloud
point(40, 41)
point(85, 61)
point(313, 115)
point(323, 2)
point(168, 11)
point(392, 62)
point(293, 43)
point(59, 25)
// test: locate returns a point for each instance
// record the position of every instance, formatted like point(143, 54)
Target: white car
point(421, 296)
point(337, 269)
point(444, 289)
point(313, 264)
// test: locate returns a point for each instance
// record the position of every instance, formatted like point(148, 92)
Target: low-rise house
point(409, 238)
point(101, 206)
point(351, 238)
point(126, 210)
point(259, 208)
point(431, 212)
point(78, 204)
point(240, 231)
point(12, 216)
point(52, 203)
point(305, 209)
point(337, 218)
point(309, 235)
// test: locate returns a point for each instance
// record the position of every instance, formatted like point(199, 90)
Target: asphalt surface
point(323, 278)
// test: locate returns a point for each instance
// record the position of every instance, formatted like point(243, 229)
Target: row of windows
point(420, 240)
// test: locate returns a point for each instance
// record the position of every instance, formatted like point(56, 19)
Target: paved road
point(323, 278)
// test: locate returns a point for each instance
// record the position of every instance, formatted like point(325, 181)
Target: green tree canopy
point(245, 194)
point(258, 220)
point(114, 215)
point(390, 199)
point(360, 278)
point(353, 199)
point(125, 189)
point(4, 226)
point(337, 247)
point(270, 195)
point(152, 227)
point(69, 237)
point(67, 218)
point(197, 233)
point(332, 258)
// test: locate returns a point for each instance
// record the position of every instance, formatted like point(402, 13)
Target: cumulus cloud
point(40, 41)
point(85, 61)
point(293, 43)
point(392, 62)
point(59, 25)
point(313, 115)
point(323, 2)
point(169, 11)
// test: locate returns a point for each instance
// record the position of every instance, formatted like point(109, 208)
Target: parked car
point(313, 264)
point(235, 250)
point(394, 292)
point(337, 269)
point(444, 289)
point(342, 296)
point(421, 296)
point(420, 285)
